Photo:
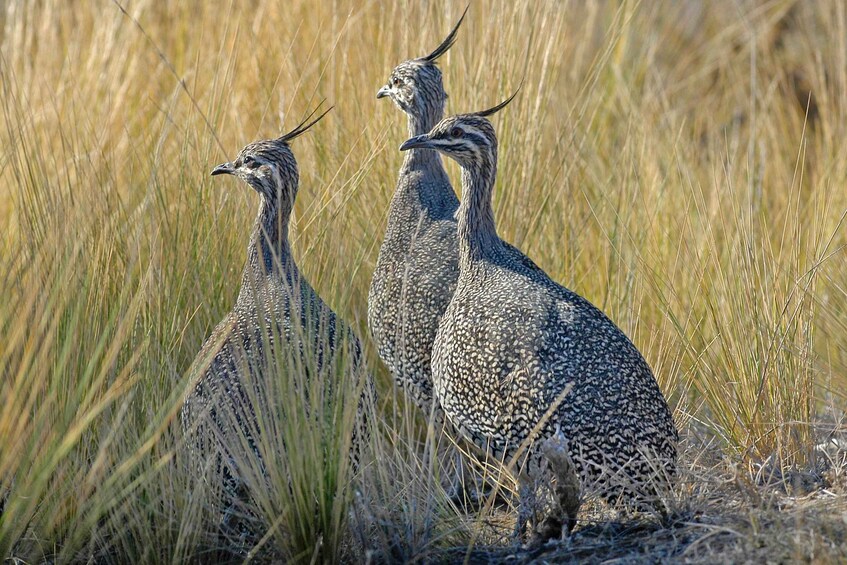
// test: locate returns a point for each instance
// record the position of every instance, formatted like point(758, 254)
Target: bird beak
point(421, 141)
point(383, 92)
point(223, 169)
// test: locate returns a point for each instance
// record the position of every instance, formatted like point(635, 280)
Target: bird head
point(415, 85)
point(269, 166)
point(469, 139)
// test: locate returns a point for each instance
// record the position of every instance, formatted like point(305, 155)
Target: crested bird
point(417, 267)
point(277, 316)
point(518, 357)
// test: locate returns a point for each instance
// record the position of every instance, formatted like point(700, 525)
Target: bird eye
point(457, 132)
point(249, 161)
point(395, 81)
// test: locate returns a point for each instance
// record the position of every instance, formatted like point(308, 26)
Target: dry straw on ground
point(681, 164)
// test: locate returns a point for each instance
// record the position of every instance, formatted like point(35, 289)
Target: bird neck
point(423, 122)
point(420, 124)
point(477, 232)
point(434, 194)
point(269, 251)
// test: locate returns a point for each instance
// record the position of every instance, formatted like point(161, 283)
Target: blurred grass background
point(680, 164)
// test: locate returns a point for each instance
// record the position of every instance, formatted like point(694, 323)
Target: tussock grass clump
point(679, 164)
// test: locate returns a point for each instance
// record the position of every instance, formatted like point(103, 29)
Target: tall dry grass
point(679, 164)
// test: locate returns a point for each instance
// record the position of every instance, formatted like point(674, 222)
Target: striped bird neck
point(419, 125)
point(269, 251)
point(477, 231)
point(434, 193)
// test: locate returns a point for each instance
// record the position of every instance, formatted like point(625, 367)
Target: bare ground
point(722, 513)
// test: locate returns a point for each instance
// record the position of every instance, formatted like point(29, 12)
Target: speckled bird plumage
point(278, 317)
point(514, 345)
point(417, 267)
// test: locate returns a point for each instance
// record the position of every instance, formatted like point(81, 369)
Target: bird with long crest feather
point(520, 361)
point(278, 324)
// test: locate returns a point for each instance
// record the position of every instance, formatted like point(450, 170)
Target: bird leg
point(526, 507)
point(459, 490)
point(567, 499)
